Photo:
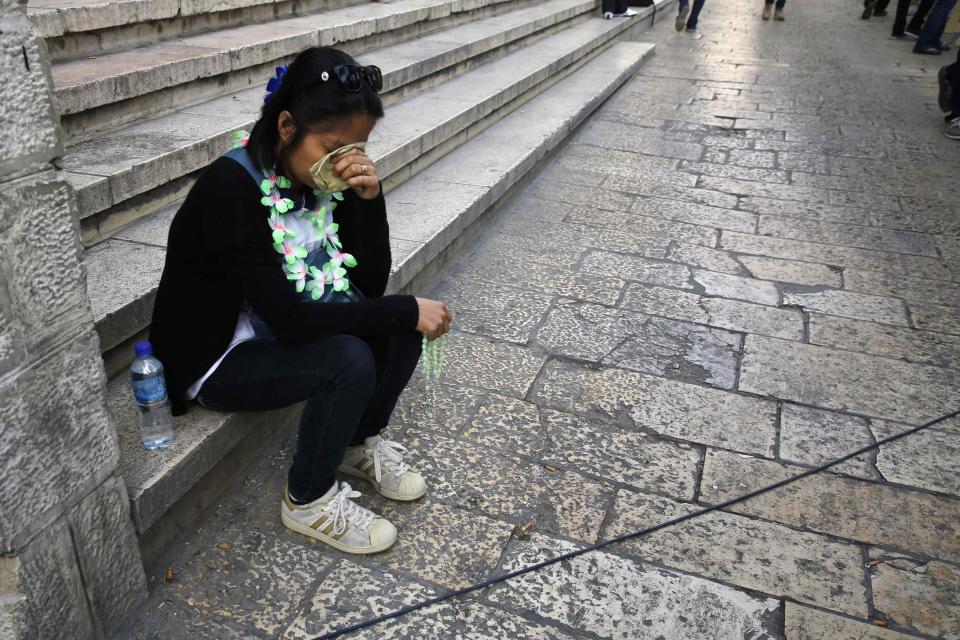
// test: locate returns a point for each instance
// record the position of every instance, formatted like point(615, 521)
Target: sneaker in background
point(868, 6)
point(952, 129)
point(778, 15)
point(767, 10)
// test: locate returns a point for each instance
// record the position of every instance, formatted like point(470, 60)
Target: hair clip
point(273, 84)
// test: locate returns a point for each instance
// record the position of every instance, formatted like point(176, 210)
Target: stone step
point(429, 216)
point(81, 28)
point(125, 175)
point(116, 88)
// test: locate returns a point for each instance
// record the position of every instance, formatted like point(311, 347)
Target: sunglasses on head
point(352, 77)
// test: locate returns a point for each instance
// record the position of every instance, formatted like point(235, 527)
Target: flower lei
point(305, 278)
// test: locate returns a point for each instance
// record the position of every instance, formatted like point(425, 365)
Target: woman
point(265, 301)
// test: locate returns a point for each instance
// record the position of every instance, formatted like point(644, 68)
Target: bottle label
point(150, 390)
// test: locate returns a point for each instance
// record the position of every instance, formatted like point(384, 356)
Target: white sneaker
point(340, 522)
point(608, 15)
point(629, 13)
point(380, 462)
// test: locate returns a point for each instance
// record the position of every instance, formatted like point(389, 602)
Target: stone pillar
point(69, 562)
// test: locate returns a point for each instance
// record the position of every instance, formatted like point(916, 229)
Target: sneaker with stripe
point(381, 463)
point(338, 521)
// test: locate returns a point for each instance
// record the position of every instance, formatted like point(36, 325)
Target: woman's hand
point(358, 171)
point(435, 318)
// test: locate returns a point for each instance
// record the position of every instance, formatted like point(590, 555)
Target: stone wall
point(69, 563)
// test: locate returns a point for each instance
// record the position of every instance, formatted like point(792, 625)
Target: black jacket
point(220, 254)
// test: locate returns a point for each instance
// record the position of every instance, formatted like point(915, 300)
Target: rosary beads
point(431, 361)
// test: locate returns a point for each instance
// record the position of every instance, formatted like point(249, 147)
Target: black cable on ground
point(627, 536)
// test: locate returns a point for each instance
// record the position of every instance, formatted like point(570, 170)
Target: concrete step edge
point(55, 18)
point(156, 480)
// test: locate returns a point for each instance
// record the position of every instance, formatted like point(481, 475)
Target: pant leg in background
point(880, 6)
point(779, 3)
point(916, 22)
point(614, 6)
point(936, 23)
point(336, 376)
point(953, 77)
point(695, 14)
point(900, 18)
point(395, 356)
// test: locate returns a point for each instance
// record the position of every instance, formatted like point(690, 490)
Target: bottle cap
point(143, 349)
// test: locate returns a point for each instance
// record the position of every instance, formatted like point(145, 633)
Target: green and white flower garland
point(315, 281)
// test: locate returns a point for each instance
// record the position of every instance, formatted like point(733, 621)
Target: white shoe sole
point(386, 493)
point(310, 532)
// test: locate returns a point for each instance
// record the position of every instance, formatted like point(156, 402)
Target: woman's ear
point(286, 127)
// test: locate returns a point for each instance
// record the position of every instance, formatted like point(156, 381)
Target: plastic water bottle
point(150, 394)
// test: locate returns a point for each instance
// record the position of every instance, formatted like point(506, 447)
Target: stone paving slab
point(758, 555)
point(851, 509)
point(847, 381)
point(724, 313)
point(684, 411)
point(680, 605)
point(917, 594)
point(807, 623)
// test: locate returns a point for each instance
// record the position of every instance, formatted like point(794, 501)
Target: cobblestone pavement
point(747, 262)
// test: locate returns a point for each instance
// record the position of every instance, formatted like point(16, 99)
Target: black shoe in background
point(868, 6)
point(928, 51)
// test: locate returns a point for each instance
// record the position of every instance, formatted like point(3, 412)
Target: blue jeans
point(936, 23)
point(694, 13)
point(780, 3)
point(351, 386)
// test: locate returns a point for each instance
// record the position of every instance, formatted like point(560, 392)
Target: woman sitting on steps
point(272, 294)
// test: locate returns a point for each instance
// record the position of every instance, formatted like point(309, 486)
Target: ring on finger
point(363, 169)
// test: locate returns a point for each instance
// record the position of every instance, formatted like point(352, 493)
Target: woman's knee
point(355, 366)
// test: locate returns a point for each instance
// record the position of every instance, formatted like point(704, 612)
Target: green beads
point(431, 363)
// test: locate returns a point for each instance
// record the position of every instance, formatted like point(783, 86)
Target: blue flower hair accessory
point(274, 83)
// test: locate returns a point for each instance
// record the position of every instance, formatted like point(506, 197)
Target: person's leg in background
point(778, 14)
point(613, 8)
point(767, 9)
point(929, 41)
point(919, 17)
point(900, 19)
point(874, 8)
point(950, 98)
point(695, 15)
point(683, 10)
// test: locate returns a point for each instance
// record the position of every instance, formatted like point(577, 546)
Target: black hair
point(312, 102)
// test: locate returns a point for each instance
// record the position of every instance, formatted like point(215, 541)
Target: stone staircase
point(478, 92)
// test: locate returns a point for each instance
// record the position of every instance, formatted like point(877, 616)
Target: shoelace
point(388, 453)
point(346, 511)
